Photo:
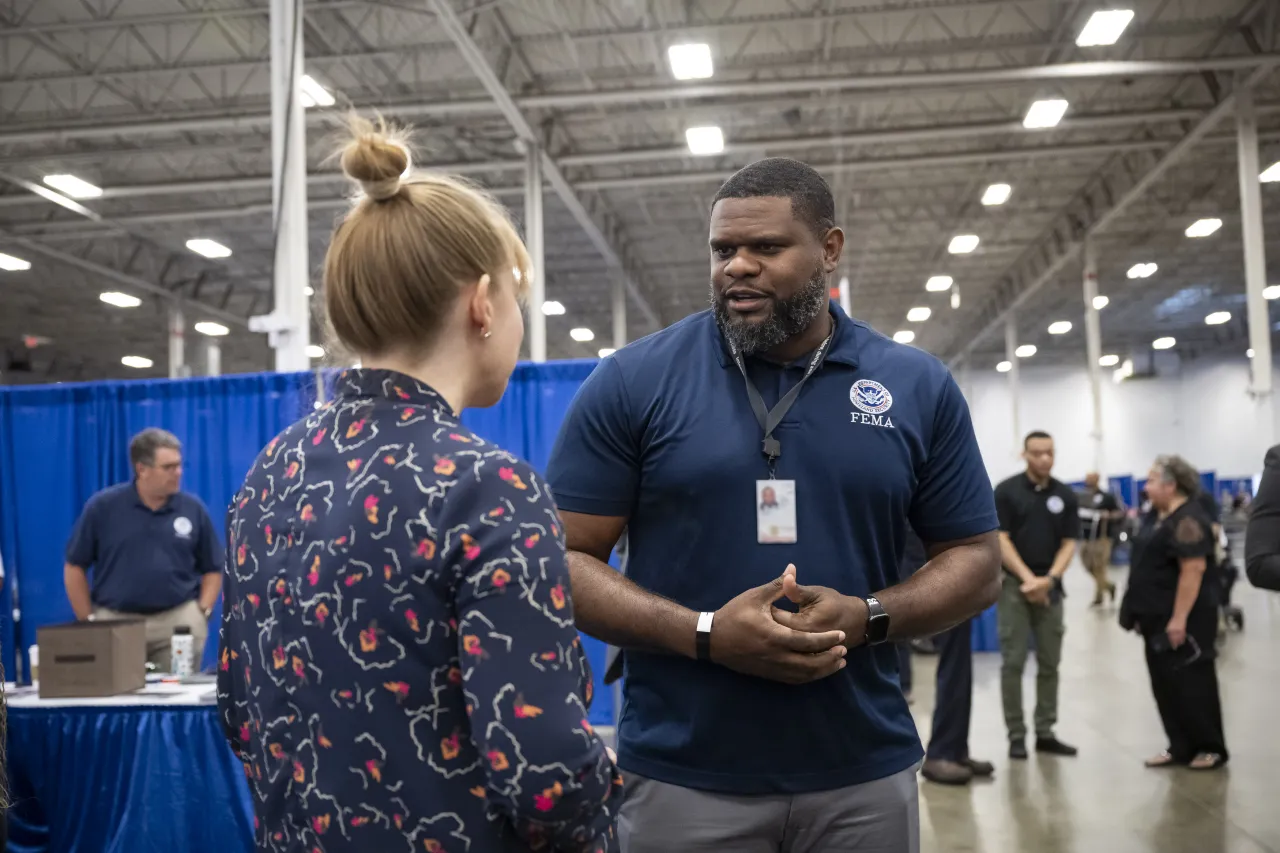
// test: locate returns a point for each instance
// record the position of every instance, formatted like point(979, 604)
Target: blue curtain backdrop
point(61, 443)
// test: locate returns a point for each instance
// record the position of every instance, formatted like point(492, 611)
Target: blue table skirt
point(124, 780)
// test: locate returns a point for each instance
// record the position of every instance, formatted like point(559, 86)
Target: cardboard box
point(85, 659)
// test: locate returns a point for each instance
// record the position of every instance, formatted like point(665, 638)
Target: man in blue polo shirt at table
point(761, 713)
point(152, 548)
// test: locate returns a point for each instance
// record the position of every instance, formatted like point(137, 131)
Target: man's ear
point(832, 249)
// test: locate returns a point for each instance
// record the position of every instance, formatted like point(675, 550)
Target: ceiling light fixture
point(1108, 361)
point(9, 263)
point(1059, 327)
point(996, 194)
point(208, 248)
point(137, 362)
point(919, 314)
point(605, 352)
point(1217, 318)
point(1271, 291)
point(905, 336)
point(551, 308)
point(213, 330)
point(1163, 343)
point(1045, 114)
point(939, 283)
point(312, 94)
point(1100, 302)
point(73, 186)
point(1271, 174)
point(582, 335)
point(120, 300)
point(1004, 366)
point(1249, 352)
point(963, 244)
point(691, 61)
point(1025, 351)
point(1104, 27)
point(704, 141)
point(309, 290)
point(1142, 270)
point(315, 351)
point(1203, 227)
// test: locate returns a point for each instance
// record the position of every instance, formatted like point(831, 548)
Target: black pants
point(1187, 694)
point(950, 739)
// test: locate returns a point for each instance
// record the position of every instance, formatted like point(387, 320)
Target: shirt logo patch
point(870, 396)
point(182, 526)
point(1054, 504)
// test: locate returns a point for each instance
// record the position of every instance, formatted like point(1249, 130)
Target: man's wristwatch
point(704, 635)
point(877, 622)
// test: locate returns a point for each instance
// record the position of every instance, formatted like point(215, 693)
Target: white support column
point(213, 359)
point(1255, 259)
point(291, 327)
point(619, 311)
point(177, 343)
point(1010, 354)
point(1093, 349)
point(533, 231)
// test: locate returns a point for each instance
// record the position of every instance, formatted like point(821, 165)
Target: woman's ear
point(482, 305)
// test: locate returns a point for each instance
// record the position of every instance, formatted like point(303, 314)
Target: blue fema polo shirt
point(880, 437)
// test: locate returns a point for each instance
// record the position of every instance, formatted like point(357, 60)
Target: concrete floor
point(1104, 800)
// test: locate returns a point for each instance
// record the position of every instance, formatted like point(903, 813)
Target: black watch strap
point(877, 622)
point(704, 635)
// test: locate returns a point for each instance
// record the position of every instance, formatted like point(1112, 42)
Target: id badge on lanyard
point(775, 499)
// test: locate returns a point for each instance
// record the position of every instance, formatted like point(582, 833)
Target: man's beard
point(788, 318)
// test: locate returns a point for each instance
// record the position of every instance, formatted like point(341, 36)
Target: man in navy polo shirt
point(152, 548)
point(760, 713)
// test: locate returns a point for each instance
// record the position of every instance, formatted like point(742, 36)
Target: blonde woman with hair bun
point(399, 668)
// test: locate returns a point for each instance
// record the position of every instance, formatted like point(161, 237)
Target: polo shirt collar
point(394, 386)
point(137, 499)
point(845, 340)
point(1035, 487)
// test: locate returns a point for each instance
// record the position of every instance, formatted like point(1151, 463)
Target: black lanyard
point(770, 418)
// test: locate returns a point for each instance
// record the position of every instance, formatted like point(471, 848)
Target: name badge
point(776, 512)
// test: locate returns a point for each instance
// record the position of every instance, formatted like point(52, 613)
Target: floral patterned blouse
point(399, 668)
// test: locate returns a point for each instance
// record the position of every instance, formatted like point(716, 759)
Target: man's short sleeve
point(595, 463)
point(82, 547)
point(953, 499)
point(1071, 515)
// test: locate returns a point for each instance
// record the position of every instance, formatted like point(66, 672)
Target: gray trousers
point(881, 816)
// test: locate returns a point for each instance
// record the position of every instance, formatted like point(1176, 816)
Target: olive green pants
point(1018, 620)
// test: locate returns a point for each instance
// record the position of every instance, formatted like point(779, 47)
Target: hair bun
point(375, 157)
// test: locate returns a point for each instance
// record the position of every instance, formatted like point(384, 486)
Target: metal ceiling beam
point(168, 18)
point(475, 58)
point(590, 99)
point(117, 276)
point(1050, 258)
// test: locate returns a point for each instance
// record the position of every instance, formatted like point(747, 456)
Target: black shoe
point(979, 768)
point(1017, 749)
point(1053, 746)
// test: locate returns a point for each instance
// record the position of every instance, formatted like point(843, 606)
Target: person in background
point(1099, 510)
point(152, 550)
point(1039, 524)
point(1262, 537)
point(1172, 604)
point(747, 723)
point(399, 664)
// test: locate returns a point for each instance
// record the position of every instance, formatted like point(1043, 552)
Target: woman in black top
point(1173, 606)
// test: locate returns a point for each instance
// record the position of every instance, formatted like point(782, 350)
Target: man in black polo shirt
point(1038, 528)
point(153, 551)
point(1098, 512)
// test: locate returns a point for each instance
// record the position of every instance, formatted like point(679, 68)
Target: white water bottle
point(181, 652)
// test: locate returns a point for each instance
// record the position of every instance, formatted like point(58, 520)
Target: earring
point(484, 333)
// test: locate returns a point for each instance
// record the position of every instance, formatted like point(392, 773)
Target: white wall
point(1200, 410)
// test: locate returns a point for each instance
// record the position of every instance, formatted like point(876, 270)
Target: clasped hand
point(1037, 589)
point(752, 636)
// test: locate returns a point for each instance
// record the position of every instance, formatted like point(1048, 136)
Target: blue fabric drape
point(125, 780)
point(61, 443)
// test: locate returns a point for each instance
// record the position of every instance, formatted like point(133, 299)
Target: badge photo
point(776, 512)
point(182, 526)
point(1054, 504)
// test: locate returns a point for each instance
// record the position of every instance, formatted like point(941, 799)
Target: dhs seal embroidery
point(1054, 504)
point(182, 526)
point(871, 397)
point(873, 401)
